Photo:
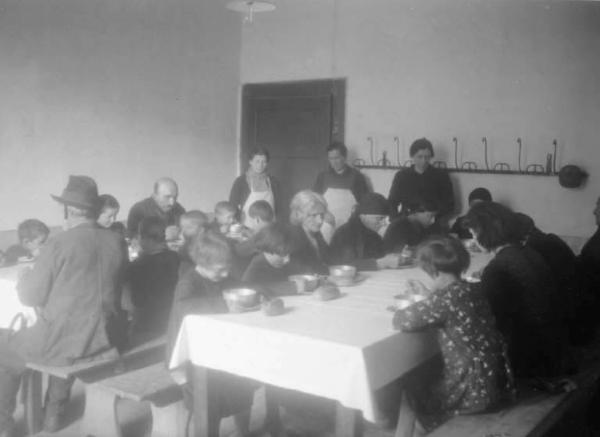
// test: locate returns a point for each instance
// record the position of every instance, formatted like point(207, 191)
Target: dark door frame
point(335, 88)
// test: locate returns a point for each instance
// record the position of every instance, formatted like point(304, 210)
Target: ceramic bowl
point(342, 275)
point(305, 283)
point(240, 299)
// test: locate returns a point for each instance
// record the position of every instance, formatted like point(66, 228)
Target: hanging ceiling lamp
point(250, 7)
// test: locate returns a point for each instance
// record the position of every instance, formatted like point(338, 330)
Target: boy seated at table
point(191, 224)
point(460, 228)
point(476, 375)
point(260, 215)
point(225, 217)
point(200, 291)
point(411, 228)
point(270, 267)
point(151, 280)
point(359, 242)
point(32, 234)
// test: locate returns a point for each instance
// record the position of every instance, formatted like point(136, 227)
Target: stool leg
point(169, 420)
point(32, 401)
point(100, 414)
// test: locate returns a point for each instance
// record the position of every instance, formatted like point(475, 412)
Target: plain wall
point(123, 91)
point(500, 69)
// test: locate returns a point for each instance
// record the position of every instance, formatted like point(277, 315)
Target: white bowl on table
point(241, 299)
point(342, 275)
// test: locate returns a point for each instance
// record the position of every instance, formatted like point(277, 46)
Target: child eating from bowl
point(476, 375)
point(271, 266)
point(32, 234)
point(200, 291)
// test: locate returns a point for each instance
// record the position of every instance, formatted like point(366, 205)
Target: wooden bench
point(90, 371)
point(151, 384)
point(534, 415)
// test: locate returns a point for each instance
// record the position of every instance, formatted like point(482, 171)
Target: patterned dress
point(476, 375)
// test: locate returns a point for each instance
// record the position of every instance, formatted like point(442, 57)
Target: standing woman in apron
point(342, 187)
point(255, 184)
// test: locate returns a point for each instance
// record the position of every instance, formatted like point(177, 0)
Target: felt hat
point(373, 203)
point(81, 192)
point(571, 176)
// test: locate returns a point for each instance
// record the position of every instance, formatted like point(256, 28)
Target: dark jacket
point(402, 232)
point(149, 208)
point(152, 279)
point(304, 253)
point(76, 284)
point(353, 243)
point(195, 294)
point(528, 310)
point(240, 190)
point(411, 188)
point(350, 179)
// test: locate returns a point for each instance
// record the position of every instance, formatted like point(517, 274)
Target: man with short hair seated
point(162, 204)
point(75, 284)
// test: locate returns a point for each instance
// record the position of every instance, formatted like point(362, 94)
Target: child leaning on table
point(200, 291)
point(32, 234)
point(476, 375)
point(271, 266)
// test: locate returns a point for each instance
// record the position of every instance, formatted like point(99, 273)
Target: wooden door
point(295, 121)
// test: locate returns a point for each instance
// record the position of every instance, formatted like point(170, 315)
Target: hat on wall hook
point(571, 176)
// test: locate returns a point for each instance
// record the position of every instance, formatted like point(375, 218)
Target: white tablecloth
point(342, 349)
point(10, 305)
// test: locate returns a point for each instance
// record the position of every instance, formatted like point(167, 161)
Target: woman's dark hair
point(420, 144)
point(258, 151)
point(480, 193)
point(493, 224)
point(106, 201)
point(443, 254)
point(339, 146)
point(274, 238)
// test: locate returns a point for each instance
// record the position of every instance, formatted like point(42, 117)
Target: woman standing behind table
point(256, 184)
point(522, 293)
point(422, 183)
point(340, 185)
point(307, 213)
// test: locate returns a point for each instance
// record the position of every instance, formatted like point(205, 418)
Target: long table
point(342, 349)
point(10, 305)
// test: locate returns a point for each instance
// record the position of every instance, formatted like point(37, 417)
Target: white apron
point(253, 197)
point(340, 203)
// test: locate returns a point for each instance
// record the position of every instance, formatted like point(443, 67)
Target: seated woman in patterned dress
point(476, 375)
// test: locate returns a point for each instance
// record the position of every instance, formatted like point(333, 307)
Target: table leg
point(406, 418)
point(348, 422)
point(206, 419)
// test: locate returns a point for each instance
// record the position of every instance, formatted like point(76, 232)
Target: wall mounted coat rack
point(545, 169)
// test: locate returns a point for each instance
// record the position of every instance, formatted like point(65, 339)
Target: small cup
point(305, 283)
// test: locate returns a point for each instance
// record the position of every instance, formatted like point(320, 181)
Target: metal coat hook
point(370, 140)
point(397, 141)
point(520, 143)
point(455, 141)
point(485, 152)
point(555, 143)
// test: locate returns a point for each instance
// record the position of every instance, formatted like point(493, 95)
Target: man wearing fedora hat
point(75, 285)
point(162, 204)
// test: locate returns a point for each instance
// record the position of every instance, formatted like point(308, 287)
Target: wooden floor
point(135, 420)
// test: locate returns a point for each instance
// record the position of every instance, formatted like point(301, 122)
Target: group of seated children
point(513, 322)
